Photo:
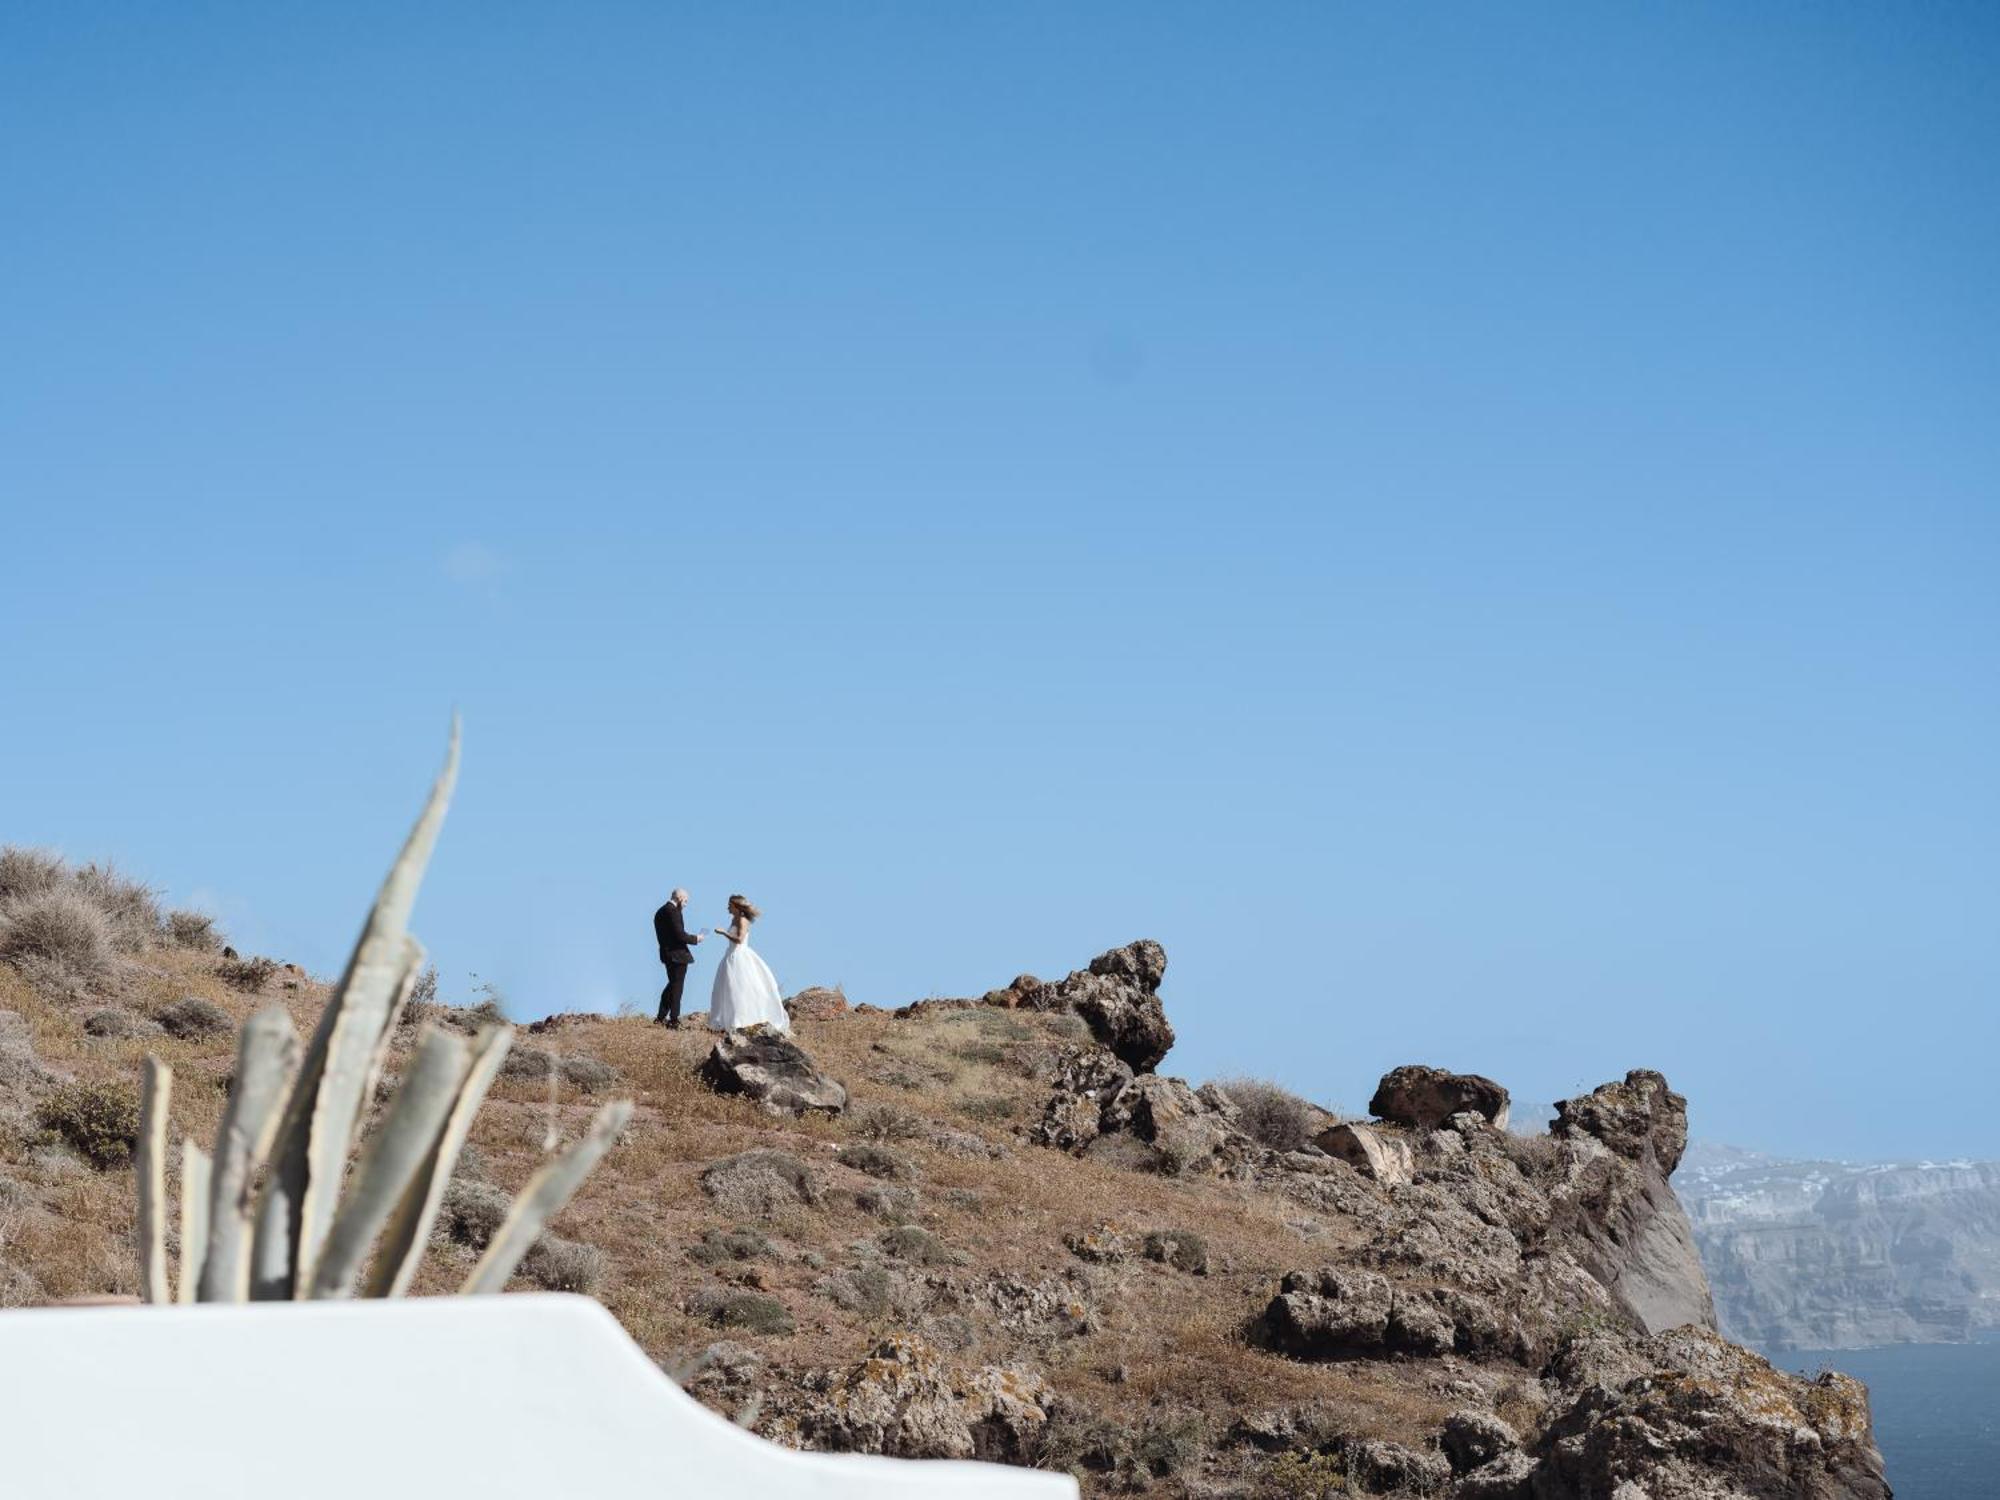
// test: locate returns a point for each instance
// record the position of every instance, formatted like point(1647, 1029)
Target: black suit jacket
point(672, 932)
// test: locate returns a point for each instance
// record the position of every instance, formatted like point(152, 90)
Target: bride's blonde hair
point(739, 906)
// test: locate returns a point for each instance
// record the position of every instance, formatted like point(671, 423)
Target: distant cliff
point(1842, 1255)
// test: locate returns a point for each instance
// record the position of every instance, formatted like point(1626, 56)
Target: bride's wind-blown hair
point(746, 992)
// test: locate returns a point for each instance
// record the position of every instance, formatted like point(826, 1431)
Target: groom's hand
point(694, 937)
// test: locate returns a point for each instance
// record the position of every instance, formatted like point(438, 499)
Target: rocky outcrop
point(1143, 1120)
point(1687, 1415)
point(1375, 1154)
point(1424, 1098)
point(1841, 1255)
point(905, 1400)
point(1118, 997)
point(774, 1071)
point(1628, 1228)
point(816, 1003)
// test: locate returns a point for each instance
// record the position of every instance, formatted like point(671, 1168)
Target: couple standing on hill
point(745, 993)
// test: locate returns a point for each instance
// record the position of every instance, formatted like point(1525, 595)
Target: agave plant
point(270, 1213)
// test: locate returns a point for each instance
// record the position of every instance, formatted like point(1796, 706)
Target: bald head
point(679, 897)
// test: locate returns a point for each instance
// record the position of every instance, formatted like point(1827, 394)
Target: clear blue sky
point(1476, 526)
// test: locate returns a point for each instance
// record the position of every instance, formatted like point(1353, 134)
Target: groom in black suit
point(676, 952)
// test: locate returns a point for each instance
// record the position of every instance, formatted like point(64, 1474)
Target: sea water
point(1937, 1413)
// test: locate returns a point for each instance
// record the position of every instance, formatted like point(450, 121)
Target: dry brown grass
point(1162, 1337)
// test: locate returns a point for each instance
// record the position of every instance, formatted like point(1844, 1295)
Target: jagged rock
point(1641, 1119)
point(1424, 1098)
point(1118, 998)
point(1082, 1078)
point(760, 1183)
point(1330, 1311)
point(1047, 1307)
point(1188, 1129)
point(1069, 1122)
point(1507, 1477)
point(1334, 1311)
point(1688, 1414)
point(773, 1070)
point(903, 1400)
point(1375, 1155)
point(1471, 1438)
point(816, 1003)
point(1107, 1244)
point(1385, 1467)
point(1009, 996)
point(1626, 1226)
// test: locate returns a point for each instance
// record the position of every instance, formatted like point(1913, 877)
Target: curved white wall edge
point(529, 1397)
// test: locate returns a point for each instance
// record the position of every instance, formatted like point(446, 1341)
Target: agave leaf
point(398, 1148)
point(266, 1053)
point(194, 1219)
point(156, 1094)
point(311, 1150)
point(409, 1228)
point(547, 1191)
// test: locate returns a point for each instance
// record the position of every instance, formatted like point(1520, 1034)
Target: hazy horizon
point(1475, 529)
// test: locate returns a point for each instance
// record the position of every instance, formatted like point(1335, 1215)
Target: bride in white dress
point(746, 992)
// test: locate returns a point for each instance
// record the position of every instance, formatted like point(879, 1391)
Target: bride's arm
point(734, 931)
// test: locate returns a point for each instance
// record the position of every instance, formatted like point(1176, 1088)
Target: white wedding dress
point(746, 992)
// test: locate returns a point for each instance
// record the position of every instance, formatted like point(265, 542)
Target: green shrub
point(99, 1121)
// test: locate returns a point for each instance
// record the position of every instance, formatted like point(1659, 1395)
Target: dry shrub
point(1535, 1155)
point(192, 1018)
point(884, 1122)
point(57, 932)
point(1271, 1116)
point(559, 1265)
point(28, 872)
point(471, 1212)
point(100, 1121)
point(131, 910)
point(195, 930)
point(247, 974)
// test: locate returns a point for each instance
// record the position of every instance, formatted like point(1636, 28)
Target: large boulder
point(1373, 1153)
point(1118, 998)
point(1424, 1098)
point(773, 1070)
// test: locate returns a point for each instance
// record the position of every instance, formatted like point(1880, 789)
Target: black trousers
point(670, 997)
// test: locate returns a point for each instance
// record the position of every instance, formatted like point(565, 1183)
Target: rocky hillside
point(989, 1227)
point(1843, 1255)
